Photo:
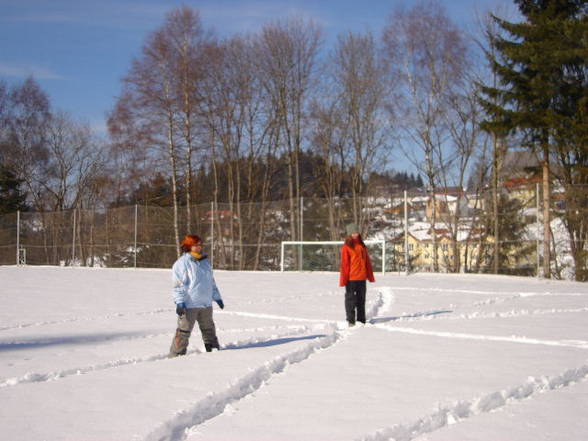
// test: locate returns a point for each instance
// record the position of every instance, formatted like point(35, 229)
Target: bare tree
point(228, 94)
point(467, 142)
point(75, 159)
point(260, 139)
point(329, 135)
point(188, 44)
point(150, 91)
point(286, 54)
point(76, 164)
point(26, 116)
point(426, 51)
point(130, 160)
point(4, 122)
point(244, 133)
point(360, 79)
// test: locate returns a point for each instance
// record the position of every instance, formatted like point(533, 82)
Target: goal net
point(325, 256)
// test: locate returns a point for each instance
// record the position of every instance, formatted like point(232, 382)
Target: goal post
point(333, 248)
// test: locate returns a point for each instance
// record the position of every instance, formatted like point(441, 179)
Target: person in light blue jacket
point(194, 290)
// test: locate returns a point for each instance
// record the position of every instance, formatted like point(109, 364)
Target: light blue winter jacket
point(193, 282)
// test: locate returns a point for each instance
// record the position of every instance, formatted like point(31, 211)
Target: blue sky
point(79, 50)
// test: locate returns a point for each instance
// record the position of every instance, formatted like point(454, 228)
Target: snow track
point(33, 377)
point(177, 428)
point(52, 376)
point(216, 403)
point(444, 314)
point(459, 411)
point(274, 317)
point(512, 313)
point(503, 293)
point(580, 344)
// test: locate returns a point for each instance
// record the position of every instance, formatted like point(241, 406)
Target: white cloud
point(27, 70)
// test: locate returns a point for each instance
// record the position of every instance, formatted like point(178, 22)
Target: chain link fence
point(248, 236)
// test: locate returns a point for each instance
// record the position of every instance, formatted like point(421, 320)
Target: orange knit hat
point(189, 241)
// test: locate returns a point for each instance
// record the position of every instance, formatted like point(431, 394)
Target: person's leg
point(181, 339)
point(360, 298)
point(207, 328)
point(350, 303)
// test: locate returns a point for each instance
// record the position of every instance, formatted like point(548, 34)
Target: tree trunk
point(495, 214)
point(174, 176)
point(546, 215)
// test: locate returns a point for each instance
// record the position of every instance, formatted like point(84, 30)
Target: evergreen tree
point(571, 139)
point(532, 64)
point(11, 196)
point(514, 250)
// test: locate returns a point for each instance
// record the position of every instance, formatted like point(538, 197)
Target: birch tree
point(426, 53)
point(360, 79)
point(286, 53)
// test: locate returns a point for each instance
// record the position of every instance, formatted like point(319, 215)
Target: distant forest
point(158, 189)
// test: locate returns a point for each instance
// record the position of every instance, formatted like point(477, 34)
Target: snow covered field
point(444, 358)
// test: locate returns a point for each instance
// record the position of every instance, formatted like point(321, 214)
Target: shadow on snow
point(275, 342)
point(66, 340)
point(377, 320)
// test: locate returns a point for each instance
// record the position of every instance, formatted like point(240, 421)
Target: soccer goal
point(325, 255)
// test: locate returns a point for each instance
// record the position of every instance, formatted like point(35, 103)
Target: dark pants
point(355, 300)
point(186, 323)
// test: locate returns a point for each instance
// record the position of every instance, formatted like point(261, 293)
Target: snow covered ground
point(444, 358)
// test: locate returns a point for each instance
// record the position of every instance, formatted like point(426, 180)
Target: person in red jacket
point(356, 268)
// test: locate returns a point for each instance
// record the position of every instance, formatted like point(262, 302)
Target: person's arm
point(345, 266)
point(216, 296)
point(178, 280)
point(368, 267)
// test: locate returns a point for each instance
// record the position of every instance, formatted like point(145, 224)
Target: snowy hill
point(444, 358)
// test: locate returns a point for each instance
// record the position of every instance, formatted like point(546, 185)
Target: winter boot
point(179, 343)
point(209, 347)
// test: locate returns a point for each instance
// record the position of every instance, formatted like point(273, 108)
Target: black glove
point(220, 304)
point(180, 308)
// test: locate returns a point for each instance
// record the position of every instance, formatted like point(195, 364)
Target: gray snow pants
point(186, 323)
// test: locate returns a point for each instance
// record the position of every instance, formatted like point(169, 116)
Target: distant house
point(420, 248)
point(223, 218)
point(476, 203)
point(446, 203)
point(218, 214)
point(418, 207)
point(396, 208)
point(519, 164)
point(520, 175)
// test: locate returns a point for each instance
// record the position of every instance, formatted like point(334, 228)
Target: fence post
point(73, 241)
point(135, 248)
point(18, 237)
point(383, 257)
point(406, 256)
point(301, 230)
point(212, 234)
point(537, 252)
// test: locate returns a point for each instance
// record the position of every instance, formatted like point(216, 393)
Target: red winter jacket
point(355, 264)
